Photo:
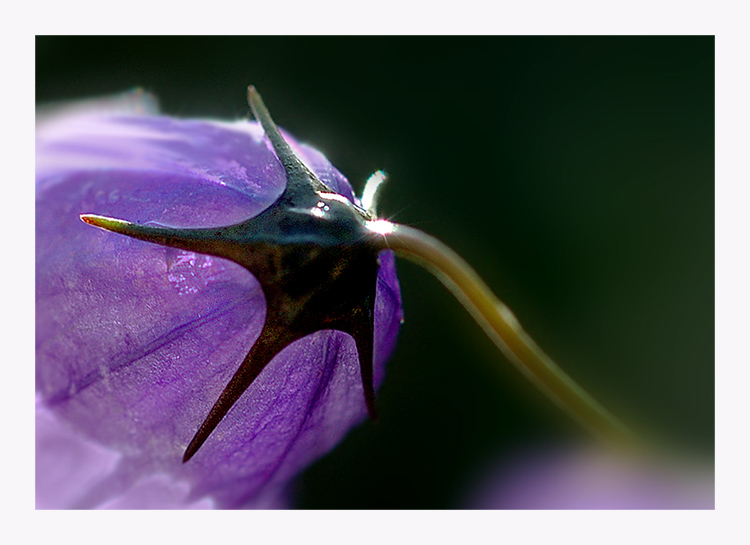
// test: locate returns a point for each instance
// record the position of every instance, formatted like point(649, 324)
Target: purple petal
point(136, 341)
point(592, 479)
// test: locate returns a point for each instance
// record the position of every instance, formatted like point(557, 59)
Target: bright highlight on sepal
point(381, 227)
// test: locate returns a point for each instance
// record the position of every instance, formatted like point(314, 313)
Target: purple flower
point(592, 478)
point(136, 341)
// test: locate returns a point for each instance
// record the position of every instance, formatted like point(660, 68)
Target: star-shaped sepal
point(313, 256)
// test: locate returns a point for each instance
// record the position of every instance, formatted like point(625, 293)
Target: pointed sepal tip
point(105, 222)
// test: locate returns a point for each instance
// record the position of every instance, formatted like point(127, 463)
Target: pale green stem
point(503, 328)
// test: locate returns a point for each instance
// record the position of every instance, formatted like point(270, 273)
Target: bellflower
point(136, 341)
point(230, 320)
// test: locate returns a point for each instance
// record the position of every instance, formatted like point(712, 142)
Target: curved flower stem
point(503, 328)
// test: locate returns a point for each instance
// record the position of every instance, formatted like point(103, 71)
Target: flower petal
point(136, 341)
point(592, 479)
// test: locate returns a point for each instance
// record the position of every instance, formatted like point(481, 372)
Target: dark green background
point(575, 174)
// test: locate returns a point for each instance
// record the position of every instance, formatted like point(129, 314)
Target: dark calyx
point(311, 253)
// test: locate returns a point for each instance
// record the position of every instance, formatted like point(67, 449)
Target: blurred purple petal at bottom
point(591, 479)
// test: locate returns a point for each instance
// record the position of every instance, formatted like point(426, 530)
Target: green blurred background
point(576, 174)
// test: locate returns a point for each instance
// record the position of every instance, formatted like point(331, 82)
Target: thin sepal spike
point(104, 222)
point(359, 323)
point(362, 331)
point(271, 341)
point(298, 175)
point(212, 241)
point(371, 192)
